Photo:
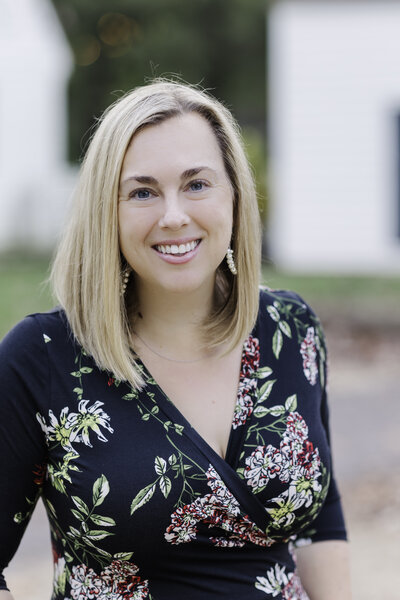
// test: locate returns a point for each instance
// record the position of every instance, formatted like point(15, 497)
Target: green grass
point(23, 290)
point(375, 299)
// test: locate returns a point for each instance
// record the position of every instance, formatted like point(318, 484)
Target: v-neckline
point(230, 457)
point(225, 467)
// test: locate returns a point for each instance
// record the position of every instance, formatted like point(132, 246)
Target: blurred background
point(315, 86)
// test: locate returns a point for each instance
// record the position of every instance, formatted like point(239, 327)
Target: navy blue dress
point(139, 505)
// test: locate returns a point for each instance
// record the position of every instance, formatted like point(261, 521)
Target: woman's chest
point(204, 393)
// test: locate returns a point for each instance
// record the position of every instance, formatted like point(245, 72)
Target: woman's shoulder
point(34, 331)
point(274, 299)
point(288, 314)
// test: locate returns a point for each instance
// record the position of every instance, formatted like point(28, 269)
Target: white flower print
point(247, 383)
point(85, 583)
point(296, 428)
point(262, 465)
point(123, 583)
point(279, 582)
point(183, 527)
point(294, 590)
point(218, 509)
point(288, 502)
point(118, 581)
point(74, 427)
point(308, 352)
point(221, 493)
point(243, 408)
point(58, 430)
point(91, 418)
point(274, 582)
point(299, 458)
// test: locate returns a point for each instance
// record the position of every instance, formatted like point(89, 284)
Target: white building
point(334, 131)
point(35, 181)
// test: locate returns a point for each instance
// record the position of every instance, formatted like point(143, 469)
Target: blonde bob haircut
point(86, 273)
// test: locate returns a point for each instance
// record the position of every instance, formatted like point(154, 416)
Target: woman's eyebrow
point(141, 179)
point(149, 180)
point(195, 171)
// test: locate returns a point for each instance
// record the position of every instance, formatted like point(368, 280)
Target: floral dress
point(139, 505)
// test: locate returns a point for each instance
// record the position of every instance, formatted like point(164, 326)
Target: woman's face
point(176, 206)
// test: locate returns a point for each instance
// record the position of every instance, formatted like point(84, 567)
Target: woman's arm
point(324, 570)
point(23, 375)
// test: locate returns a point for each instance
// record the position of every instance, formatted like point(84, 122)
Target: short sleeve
point(329, 524)
point(23, 451)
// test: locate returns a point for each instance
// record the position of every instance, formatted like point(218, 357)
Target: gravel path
point(365, 418)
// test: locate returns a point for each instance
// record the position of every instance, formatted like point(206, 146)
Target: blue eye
point(140, 194)
point(197, 186)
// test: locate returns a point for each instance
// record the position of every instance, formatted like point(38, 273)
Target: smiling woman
point(171, 414)
point(185, 218)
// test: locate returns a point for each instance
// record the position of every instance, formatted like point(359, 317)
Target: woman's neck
point(172, 322)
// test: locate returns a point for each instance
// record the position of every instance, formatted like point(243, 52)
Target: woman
point(172, 415)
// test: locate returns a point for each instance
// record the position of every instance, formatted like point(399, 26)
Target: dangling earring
point(230, 261)
point(125, 274)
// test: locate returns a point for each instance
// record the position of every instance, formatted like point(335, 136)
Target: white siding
point(35, 182)
point(334, 95)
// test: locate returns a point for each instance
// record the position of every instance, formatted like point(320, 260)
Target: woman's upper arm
point(324, 570)
point(23, 377)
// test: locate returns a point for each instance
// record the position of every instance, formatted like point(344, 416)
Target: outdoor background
point(221, 44)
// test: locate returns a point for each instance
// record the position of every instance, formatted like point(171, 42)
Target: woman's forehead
point(181, 142)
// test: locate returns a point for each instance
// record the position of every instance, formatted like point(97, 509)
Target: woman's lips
point(177, 253)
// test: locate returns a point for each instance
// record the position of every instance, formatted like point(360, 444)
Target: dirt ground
point(365, 424)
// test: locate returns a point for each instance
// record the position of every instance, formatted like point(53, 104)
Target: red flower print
point(40, 472)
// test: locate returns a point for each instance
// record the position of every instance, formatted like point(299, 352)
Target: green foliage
point(117, 45)
point(254, 141)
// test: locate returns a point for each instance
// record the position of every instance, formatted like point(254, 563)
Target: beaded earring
point(125, 274)
point(230, 261)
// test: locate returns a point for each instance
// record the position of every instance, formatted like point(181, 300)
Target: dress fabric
point(139, 505)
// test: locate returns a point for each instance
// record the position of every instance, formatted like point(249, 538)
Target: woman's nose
point(174, 213)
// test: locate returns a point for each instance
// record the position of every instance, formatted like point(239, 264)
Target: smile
point(177, 250)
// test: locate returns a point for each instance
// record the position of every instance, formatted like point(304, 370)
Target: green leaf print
point(80, 504)
point(76, 513)
point(291, 403)
point(172, 459)
point(160, 465)
point(265, 390)
point(277, 342)
point(262, 373)
point(277, 411)
point(165, 485)
point(273, 313)
point(285, 327)
point(130, 396)
point(97, 534)
point(142, 497)
point(123, 555)
point(101, 488)
point(100, 520)
point(261, 411)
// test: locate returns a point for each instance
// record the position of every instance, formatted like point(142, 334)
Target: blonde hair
point(86, 271)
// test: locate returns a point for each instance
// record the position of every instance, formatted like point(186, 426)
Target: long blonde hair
point(86, 271)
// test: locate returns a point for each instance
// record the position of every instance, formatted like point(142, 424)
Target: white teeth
point(175, 249)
